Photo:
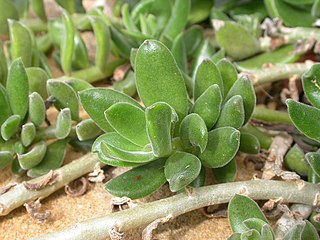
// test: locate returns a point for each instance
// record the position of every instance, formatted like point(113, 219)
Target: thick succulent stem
point(278, 72)
point(142, 215)
point(271, 116)
point(19, 194)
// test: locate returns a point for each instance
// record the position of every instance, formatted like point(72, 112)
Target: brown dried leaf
point(76, 191)
point(147, 232)
point(49, 179)
point(33, 208)
point(7, 187)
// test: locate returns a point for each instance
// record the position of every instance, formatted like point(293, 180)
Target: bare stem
point(271, 116)
point(278, 72)
point(142, 215)
point(19, 195)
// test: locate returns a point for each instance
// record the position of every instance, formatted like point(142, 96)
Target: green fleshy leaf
point(65, 97)
point(52, 160)
point(67, 43)
point(267, 232)
point(228, 74)
point(235, 236)
point(223, 144)
point(295, 232)
point(18, 88)
point(309, 232)
point(313, 159)
point(4, 105)
point(193, 37)
point(8, 11)
point(37, 81)
point(240, 209)
point(37, 109)
point(138, 182)
point(179, 52)
point(226, 173)
point(160, 118)
point(244, 87)
point(227, 31)
point(232, 113)
point(79, 85)
point(193, 132)
point(80, 57)
point(205, 51)
point(306, 118)
point(313, 221)
point(115, 162)
point(311, 85)
point(6, 158)
point(286, 54)
point(294, 160)
point(87, 129)
point(206, 75)
point(63, 125)
point(134, 127)
point(249, 143)
point(251, 234)
point(28, 133)
point(10, 127)
point(181, 168)
point(208, 105)
point(3, 63)
point(200, 180)
point(102, 99)
point(21, 42)
point(218, 56)
point(158, 77)
point(254, 223)
point(127, 85)
point(33, 157)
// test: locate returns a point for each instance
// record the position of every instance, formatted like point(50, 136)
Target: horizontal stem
point(292, 35)
point(19, 195)
point(141, 215)
point(271, 116)
point(50, 133)
point(278, 72)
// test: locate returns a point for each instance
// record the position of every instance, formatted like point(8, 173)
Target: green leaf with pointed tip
point(294, 161)
point(33, 157)
point(21, 42)
point(309, 232)
point(193, 37)
point(8, 11)
point(193, 132)
point(102, 99)
point(223, 144)
point(79, 84)
point(19, 148)
point(178, 19)
point(208, 105)
point(206, 75)
point(28, 133)
point(286, 54)
point(133, 54)
point(80, 57)
point(134, 127)
point(244, 87)
point(227, 31)
point(249, 143)
point(52, 160)
point(218, 56)
point(63, 125)
point(313, 159)
point(226, 173)
point(232, 113)
point(65, 97)
point(10, 127)
point(87, 129)
point(138, 182)
point(178, 50)
point(295, 233)
point(306, 118)
point(311, 85)
point(158, 77)
point(240, 209)
point(4, 105)
point(15, 167)
point(6, 158)
point(254, 223)
point(205, 51)
point(37, 109)
point(251, 234)
point(228, 74)
point(3, 63)
point(181, 168)
point(160, 118)
point(18, 88)
point(37, 81)
point(67, 43)
point(267, 232)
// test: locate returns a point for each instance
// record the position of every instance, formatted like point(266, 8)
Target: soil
point(67, 211)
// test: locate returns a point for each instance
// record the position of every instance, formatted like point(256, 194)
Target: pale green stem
point(278, 72)
point(271, 116)
point(19, 195)
point(142, 215)
point(50, 133)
